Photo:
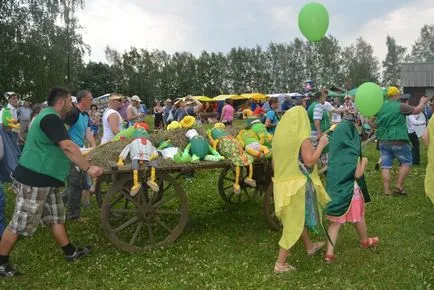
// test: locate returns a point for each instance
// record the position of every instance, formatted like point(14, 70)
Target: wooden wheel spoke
point(229, 179)
point(151, 234)
point(227, 187)
point(126, 224)
point(159, 203)
point(123, 210)
point(163, 225)
point(136, 233)
point(116, 201)
point(231, 195)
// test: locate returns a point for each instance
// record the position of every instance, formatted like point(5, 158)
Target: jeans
point(2, 210)
point(415, 150)
point(77, 182)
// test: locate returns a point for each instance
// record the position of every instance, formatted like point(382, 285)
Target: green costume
point(259, 128)
point(250, 141)
point(229, 147)
point(345, 153)
point(8, 120)
point(199, 149)
point(392, 124)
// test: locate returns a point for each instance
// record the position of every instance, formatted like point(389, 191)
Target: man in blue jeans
point(393, 138)
point(79, 129)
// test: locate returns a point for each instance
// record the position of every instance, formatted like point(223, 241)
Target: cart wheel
point(99, 192)
point(226, 189)
point(268, 209)
point(149, 219)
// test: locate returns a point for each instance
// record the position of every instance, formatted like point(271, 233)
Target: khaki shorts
point(36, 204)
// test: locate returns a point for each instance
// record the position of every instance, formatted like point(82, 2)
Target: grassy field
point(231, 246)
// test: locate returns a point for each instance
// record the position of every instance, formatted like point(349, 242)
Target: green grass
point(231, 246)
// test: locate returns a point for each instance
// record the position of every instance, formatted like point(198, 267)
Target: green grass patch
point(231, 246)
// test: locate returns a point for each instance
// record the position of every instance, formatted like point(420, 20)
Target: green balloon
point(313, 21)
point(369, 99)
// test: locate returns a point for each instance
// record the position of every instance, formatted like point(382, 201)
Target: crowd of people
point(54, 134)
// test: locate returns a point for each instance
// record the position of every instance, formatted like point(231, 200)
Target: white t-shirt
point(336, 118)
point(107, 130)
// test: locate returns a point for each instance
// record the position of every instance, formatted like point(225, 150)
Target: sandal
point(398, 191)
point(328, 259)
point(371, 242)
point(283, 268)
point(316, 247)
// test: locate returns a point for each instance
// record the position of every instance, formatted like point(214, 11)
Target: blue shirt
point(271, 115)
point(78, 123)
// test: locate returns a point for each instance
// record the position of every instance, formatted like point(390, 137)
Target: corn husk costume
point(298, 196)
point(429, 173)
point(232, 150)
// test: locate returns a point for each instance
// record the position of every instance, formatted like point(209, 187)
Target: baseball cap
point(10, 94)
point(392, 91)
point(136, 98)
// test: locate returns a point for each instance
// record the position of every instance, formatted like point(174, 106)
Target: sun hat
point(136, 98)
point(115, 96)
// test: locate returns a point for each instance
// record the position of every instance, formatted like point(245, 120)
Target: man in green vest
point(42, 169)
point(393, 138)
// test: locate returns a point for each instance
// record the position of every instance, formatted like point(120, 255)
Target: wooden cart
point(156, 219)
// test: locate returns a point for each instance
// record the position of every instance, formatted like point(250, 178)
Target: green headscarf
point(345, 151)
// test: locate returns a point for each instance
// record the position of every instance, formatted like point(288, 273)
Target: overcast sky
point(218, 25)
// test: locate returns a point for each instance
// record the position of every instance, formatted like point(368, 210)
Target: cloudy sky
point(218, 25)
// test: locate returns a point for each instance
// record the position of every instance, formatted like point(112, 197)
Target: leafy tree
point(392, 64)
point(423, 49)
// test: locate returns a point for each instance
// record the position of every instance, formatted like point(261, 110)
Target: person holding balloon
point(393, 138)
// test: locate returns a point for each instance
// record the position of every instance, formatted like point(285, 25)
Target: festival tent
point(255, 96)
point(232, 97)
point(203, 98)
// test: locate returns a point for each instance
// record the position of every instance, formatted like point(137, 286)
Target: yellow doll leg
point(249, 179)
point(237, 188)
point(253, 152)
point(136, 185)
point(151, 181)
point(264, 150)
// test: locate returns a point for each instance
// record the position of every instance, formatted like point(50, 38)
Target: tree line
point(40, 47)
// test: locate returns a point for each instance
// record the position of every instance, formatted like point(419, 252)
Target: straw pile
point(107, 155)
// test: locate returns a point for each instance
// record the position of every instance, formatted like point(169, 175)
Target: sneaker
point(79, 253)
point(6, 270)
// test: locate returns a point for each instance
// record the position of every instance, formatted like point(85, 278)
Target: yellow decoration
point(174, 125)
point(429, 177)
point(289, 182)
point(219, 125)
point(188, 122)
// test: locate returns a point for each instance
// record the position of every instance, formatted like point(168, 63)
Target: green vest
point(391, 123)
point(41, 155)
point(325, 121)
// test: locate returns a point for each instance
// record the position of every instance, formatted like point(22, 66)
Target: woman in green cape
point(298, 193)
point(346, 187)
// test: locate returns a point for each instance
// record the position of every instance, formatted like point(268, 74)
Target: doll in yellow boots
point(140, 149)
